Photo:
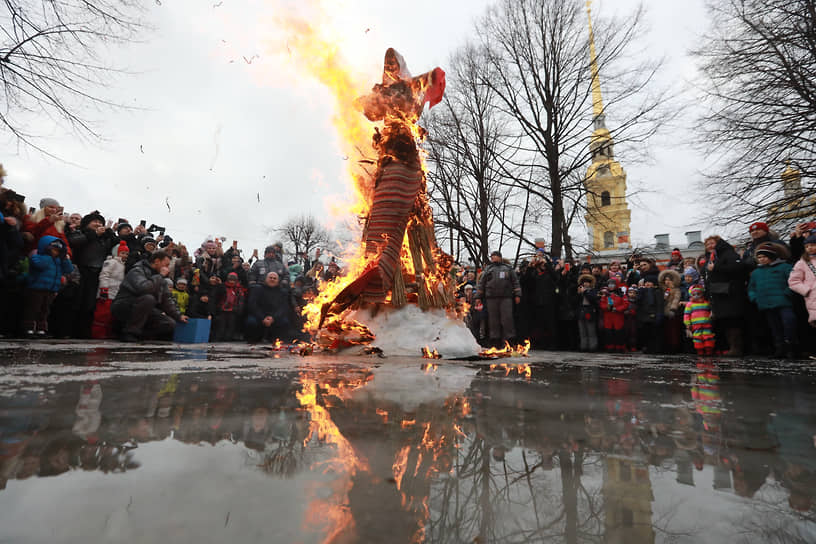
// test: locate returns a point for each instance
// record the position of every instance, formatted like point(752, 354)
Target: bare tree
point(50, 61)
point(469, 146)
point(759, 63)
point(305, 233)
point(541, 74)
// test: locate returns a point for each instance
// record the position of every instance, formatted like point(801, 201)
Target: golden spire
point(597, 100)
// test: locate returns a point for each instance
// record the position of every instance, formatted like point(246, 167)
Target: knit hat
point(148, 240)
point(269, 249)
point(811, 239)
point(695, 276)
point(496, 253)
point(90, 217)
point(122, 247)
point(49, 202)
point(767, 249)
point(696, 290)
point(232, 275)
point(120, 226)
point(676, 253)
point(759, 225)
point(181, 281)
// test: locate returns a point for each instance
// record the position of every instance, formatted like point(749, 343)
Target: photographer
point(144, 305)
point(540, 281)
point(91, 245)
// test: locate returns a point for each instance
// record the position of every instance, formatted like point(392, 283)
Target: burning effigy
point(402, 266)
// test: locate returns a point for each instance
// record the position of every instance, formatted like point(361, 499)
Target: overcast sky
point(226, 138)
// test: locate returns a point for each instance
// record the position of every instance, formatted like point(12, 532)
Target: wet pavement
point(114, 442)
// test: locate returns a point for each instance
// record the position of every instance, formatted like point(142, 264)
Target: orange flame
point(428, 353)
point(521, 350)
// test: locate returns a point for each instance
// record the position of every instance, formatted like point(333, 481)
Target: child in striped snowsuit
point(697, 319)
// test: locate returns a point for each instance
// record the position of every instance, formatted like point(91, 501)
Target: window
point(606, 200)
point(609, 239)
point(627, 517)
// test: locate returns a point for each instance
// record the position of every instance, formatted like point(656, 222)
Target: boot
point(734, 343)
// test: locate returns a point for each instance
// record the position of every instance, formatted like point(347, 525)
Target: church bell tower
point(607, 216)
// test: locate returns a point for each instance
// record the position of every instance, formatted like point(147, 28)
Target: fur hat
point(587, 278)
point(668, 273)
point(90, 217)
point(695, 276)
point(48, 202)
point(122, 247)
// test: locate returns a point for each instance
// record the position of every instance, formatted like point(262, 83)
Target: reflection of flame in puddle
point(330, 514)
point(521, 369)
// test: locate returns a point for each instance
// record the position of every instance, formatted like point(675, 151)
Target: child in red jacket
point(613, 305)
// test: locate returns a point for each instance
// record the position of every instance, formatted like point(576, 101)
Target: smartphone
point(121, 220)
point(143, 223)
point(31, 211)
point(567, 267)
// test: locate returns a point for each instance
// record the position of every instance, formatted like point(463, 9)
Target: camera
point(155, 228)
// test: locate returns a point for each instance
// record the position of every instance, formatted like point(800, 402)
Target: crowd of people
point(69, 275)
point(759, 299)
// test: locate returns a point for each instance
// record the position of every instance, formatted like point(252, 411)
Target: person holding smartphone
point(47, 221)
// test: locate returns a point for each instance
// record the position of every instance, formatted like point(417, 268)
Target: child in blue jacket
point(769, 290)
point(46, 270)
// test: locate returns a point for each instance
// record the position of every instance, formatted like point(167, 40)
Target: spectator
point(146, 248)
point(12, 212)
point(650, 310)
point(229, 303)
point(144, 305)
point(802, 279)
point(91, 244)
point(760, 234)
point(209, 263)
point(697, 319)
point(113, 272)
point(676, 261)
point(181, 296)
point(670, 281)
point(269, 311)
point(202, 298)
point(270, 263)
point(45, 279)
point(613, 304)
point(499, 287)
point(725, 278)
point(768, 288)
point(540, 282)
point(47, 221)
point(236, 266)
point(587, 313)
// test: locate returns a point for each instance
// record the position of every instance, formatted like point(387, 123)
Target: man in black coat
point(90, 244)
point(269, 312)
point(144, 305)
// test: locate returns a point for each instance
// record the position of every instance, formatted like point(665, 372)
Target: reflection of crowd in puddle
point(714, 419)
point(97, 425)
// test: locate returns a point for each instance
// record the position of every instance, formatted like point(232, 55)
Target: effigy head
point(394, 67)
